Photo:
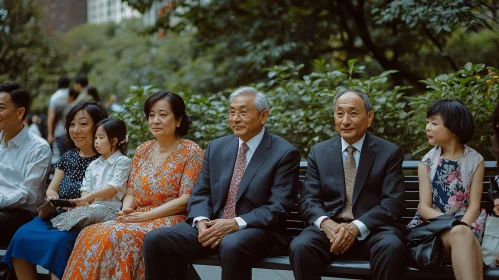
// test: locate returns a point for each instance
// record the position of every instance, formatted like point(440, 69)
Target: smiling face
point(81, 130)
point(10, 114)
point(351, 117)
point(244, 118)
point(103, 145)
point(161, 120)
point(436, 131)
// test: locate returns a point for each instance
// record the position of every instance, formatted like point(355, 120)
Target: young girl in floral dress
point(451, 182)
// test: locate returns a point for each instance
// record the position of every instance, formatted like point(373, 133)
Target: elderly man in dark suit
point(352, 197)
point(241, 201)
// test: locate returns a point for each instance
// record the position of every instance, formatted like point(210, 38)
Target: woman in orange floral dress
point(160, 183)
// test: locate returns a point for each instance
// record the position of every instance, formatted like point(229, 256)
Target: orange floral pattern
point(113, 250)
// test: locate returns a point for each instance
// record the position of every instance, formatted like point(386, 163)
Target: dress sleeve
point(193, 167)
point(61, 163)
point(428, 158)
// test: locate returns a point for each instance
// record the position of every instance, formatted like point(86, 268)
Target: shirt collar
point(357, 145)
point(18, 139)
point(112, 158)
point(254, 142)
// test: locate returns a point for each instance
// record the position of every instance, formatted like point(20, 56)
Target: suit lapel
point(229, 161)
point(258, 158)
point(336, 164)
point(365, 162)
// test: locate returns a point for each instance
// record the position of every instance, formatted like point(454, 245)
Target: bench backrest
point(295, 223)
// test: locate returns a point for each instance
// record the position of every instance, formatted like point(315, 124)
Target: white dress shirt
point(113, 172)
point(252, 146)
point(364, 231)
point(24, 165)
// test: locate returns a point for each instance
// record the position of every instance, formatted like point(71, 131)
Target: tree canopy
point(28, 54)
point(243, 37)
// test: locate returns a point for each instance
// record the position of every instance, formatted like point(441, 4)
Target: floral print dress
point(451, 185)
point(113, 250)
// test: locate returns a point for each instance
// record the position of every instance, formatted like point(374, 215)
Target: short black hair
point(94, 109)
point(9, 87)
point(63, 82)
point(82, 80)
point(177, 106)
point(456, 116)
point(73, 93)
point(92, 91)
point(115, 128)
point(21, 99)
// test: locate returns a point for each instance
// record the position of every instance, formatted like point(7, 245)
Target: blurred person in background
point(55, 124)
point(81, 86)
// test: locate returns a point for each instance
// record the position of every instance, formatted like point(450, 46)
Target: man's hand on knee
point(345, 238)
point(330, 228)
point(201, 226)
point(216, 231)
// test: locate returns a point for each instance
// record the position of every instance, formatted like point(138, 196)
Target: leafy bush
point(302, 107)
point(477, 86)
point(133, 115)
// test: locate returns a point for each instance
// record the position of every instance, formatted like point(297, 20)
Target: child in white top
point(105, 179)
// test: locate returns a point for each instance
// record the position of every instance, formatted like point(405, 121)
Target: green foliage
point(407, 36)
point(477, 86)
point(118, 56)
point(436, 15)
point(133, 115)
point(28, 55)
point(209, 115)
point(302, 108)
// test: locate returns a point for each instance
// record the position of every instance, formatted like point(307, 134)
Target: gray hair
point(360, 93)
point(261, 101)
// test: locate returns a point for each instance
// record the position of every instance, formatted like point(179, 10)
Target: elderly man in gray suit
point(352, 197)
point(242, 199)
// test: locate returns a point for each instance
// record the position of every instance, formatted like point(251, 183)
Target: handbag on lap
point(424, 246)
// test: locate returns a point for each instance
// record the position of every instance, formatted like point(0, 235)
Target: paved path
point(214, 273)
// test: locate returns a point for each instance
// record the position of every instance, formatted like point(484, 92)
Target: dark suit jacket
point(378, 189)
point(267, 189)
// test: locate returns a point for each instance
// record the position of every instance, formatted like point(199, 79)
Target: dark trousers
point(10, 221)
point(309, 252)
point(168, 249)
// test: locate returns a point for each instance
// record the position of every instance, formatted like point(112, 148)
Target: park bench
point(360, 269)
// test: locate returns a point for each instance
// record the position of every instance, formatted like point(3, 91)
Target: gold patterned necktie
point(240, 166)
point(350, 170)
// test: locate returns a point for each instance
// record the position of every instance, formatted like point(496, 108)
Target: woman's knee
point(458, 235)
point(461, 231)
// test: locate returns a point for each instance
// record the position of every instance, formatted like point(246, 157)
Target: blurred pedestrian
point(56, 131)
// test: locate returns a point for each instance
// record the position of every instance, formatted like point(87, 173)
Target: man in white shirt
point(24, 164)
point(56, 130)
